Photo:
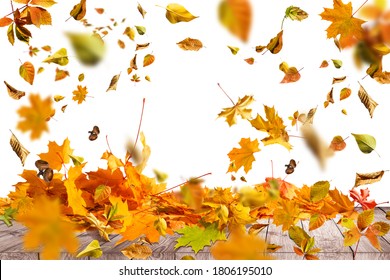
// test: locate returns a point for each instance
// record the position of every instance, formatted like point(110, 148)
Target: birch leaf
point(366, 143)
point(18, 148)
point(177, 13)
point(13, 92)
point(337, 144)
point(27, 72)
point(113, 83)
point(190, 44)
point(140, 29)
point(148, 59)
point(368, 178)
point(345, 93)
point(367, 101)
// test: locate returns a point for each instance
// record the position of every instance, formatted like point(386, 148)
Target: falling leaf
point(137, 251)
point(337, 63)
point(39, 16)
point(13, 92)
point(366, 143)
point(141, 10)
point(57, 155)
point(5, 21)
point(140, 29)
point(40, 70)
point(345, 93)
point(129, 32)
point(99, 10)
point(91, 250)
point(295, 13)
point(46, 48)
point(89, 48)
point(58, 98)
point(239, 109)
point(61, 74)
point(291, 73)
point(367, 101)
point(368, 178)
point(177, 13)
point(60, 57)
point(362, 198)
point(78, 12)
point(234, 50)
point(337, 144)
point(113, 83)
point(27, 72)
point(190, 44)
point(319, 190)
point(324, 64)
point(141, 46)
point(81, 77)
point(18, 148)
point(243, 157)
point(343, 23)
point(147, 78)
point(339, 80)
point(121, 44)
point(236, 16)
point(382, 77)
point(250, 60)
point(135, 78)
point(329, 98)
point(259, 49)
point(80, 94)
point(344, 111)
point(276, 44)
point(133, 63)
point(148, 59)
point(36, 116)
point(11, 34)
point(63, 108)
point(310, 116)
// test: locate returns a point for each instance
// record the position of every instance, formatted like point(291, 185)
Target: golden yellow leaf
point(92, 250)
point(345, 93)
point(58, 98)
point(190, 44)
point(39, 16)
point(243, 157)
point(80, 94)
point(60, 57)
point(137, 251)
point(61, 74)
point(129, 32)
point(27, 72)
point(239, 109)
point(57, 155)
point(177, 13)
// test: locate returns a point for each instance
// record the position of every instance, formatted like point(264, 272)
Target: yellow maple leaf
point(343, 23)
point(239, 109)
point(274, 127)
point(36, 116)
point(47, 228)
point(113, 163)
point(80, 94)
point(243, 157)
point(287, 214)
point(57, 155)
point(75, 200)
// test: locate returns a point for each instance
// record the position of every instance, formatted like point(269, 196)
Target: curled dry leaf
point(58, 98)
point(382, 77)
point(190, 44)
point(236, 16)
point(239, 109)
point(337, 144)
point(141, 10)
point(129, 32)
point(345, 93)
point(13, 92)
point(275, 45)
point(329, 98)
point(295, 13)
point(113, 83)
point(61, 74)
point(338, 80)
point(177, 13)
point(78, 12)
point(141, 46)
point(291, 73)
point(137, 251)
point(368, 178)
point(367, 101)
point(18, 148)
point(259, 49)
point(27, 72)
point(133, 63)
point(148, 60)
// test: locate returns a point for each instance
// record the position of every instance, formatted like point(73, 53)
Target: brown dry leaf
point(276, 44)
point(236, 16)
point(337, 144)
point(148, 59)
point(382, 77)
point(121, 44)
point(80, 94)
point(99, 10)
point(257, 228)
point(133, 63)
point(27, 72)
point(250, 60)
point(79, 10)
point(190, 44)
point(18, 148)
point(61, 74)
point(259, 49)
point(13, 92)
point(338, 80)
point(137, 251)
point(367, 101)
point(141, 10)
point(291, 73)
point(368, 178)
point(63, 108)
point(141, 46)
point(324, 64)
point(114, 82)
point(345, 93)
point(329, 98)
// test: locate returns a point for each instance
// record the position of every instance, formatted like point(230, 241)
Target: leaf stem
point(139, 129)
point(108, 144)
point(231, 100)
point(355, 252)
point(283, 22)
point(361, 6)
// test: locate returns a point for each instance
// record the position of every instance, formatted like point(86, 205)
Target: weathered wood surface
point(329, 238)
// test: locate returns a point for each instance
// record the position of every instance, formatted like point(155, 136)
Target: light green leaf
point(89, 48)
point(297, 234)
point(319, 191)
point(366, 143)
point(92, 250)
point(337, 63)
point(140, 29)
point(60, 57)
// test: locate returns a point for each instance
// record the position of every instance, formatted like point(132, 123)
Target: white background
point(183, 100)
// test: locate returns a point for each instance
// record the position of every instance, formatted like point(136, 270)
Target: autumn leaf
point(250, 60)
point(121, 44)
point(78, 12)
point(329, 98)
point(47, 228)
point(236, 16)
point(190, 44)
point(140, 29)
point(297, 234)
point(89, 47)
point(35, 117)
point(141, 10)
point(337, 63)
point(273, 126)
point(13, 92)
point(338, 80)
point(39, 16)
point(81, 77)
point(148, 60)
point(337, 144)
point(99, 10)
point(368, 178)
point(276, 44)
point(18, 148)
point(319, 191)
point(80, 94)
point(366, 142)
point(61, 74)
point(367, 101)
point(5, 21)
point(57, 155)
point(142, 46)
point(91, 250)
point(58, 98)
point(234, 50)
point(197, 238)
point(243, 157)
point(239, 109)
point(60, 57)
point(343, 23)
point(43, 3)
point(27, 72)
point(11, 34)
point(113, 83)
point(137, 251)
point(177, 13)
point(295, 13)
point(345, 93)
point(287, 214)
point(291, 73)
point(75, 199)
point(362, 198)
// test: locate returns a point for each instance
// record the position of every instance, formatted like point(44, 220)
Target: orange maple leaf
point(36, 116)
point(343, 23)
point(75, 200)
point(80, 94)
point(287, 214)
point(57, 155)
point(48, 229)
point(243, 157)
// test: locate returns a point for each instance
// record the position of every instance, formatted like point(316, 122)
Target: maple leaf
point(287, 214)
point(340, 204)
point(343, 23)
point(36, 116)
point(273, 126)
point(47, 228)
point(243, 157)
point(80, 94)
point(57, 155)
point(113, 163)
point(75, 200)
point(239, 109)
point(197, 238)
point(362, 198)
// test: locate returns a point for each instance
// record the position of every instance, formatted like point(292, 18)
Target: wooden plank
point(198, 256)
point(19, 256)
point(330, 240)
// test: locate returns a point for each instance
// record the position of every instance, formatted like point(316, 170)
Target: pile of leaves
point(60, 198)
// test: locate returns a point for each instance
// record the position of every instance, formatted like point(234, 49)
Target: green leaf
point(319, 191)
point(140, 29)
point(89, 48)
point(76, 160)
point(92, 250)
point(197, 238)
point(234, 50)
point(297, 234)
point(365, 219)
point(60, 57)
point(337, 63)
point(366, 143)
point(295, 13)
point(8, 216)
